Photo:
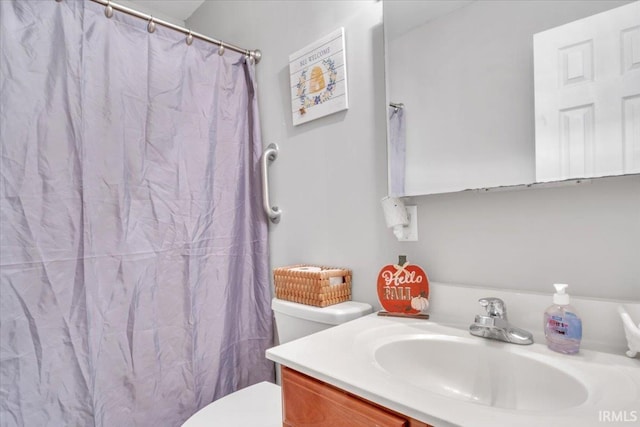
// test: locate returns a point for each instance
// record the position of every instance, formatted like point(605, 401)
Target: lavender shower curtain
point(134, 274)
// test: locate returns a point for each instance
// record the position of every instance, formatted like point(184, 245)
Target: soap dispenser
point(562, 326)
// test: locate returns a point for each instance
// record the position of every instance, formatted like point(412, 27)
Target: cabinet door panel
point(308, 402)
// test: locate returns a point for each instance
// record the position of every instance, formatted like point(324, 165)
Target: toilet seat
point(259, 405)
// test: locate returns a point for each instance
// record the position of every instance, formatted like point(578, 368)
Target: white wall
point(331, 174)
point(587, 235)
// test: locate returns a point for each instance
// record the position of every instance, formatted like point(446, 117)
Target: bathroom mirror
point(463, 74)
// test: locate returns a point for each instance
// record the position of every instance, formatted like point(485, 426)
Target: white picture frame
point(318, 79)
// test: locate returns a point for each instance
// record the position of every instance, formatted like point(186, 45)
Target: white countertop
point(343, 356)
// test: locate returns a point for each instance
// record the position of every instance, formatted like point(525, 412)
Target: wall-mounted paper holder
point(402, 219)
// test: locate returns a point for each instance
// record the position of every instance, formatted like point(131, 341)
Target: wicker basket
point(312, 285)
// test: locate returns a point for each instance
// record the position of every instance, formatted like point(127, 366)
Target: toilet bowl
point(260, 405)
point(257, 405)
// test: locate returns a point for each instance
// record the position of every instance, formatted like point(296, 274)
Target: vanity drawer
point(309, 402)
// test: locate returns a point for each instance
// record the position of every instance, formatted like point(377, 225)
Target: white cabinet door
point(587, 96)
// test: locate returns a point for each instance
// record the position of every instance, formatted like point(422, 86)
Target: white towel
point(397, 151)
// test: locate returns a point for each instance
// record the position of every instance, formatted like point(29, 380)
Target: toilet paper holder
point(395, 215)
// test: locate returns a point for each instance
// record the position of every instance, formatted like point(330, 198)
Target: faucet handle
point(495, 307)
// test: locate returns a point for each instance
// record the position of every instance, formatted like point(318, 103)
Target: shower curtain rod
point(255, 54)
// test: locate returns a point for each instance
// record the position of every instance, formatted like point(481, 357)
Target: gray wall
point(331, 175)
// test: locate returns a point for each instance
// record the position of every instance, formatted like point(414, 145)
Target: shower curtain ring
point(108, 11)
point(221, 48)
point(189, 39)
point(151, 26)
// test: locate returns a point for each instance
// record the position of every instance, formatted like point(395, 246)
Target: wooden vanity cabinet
point(309, 402)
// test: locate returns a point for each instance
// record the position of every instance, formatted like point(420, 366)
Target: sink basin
point(480, 371)
point(442, 375)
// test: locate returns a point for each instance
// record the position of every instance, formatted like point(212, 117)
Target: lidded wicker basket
point(319, 286)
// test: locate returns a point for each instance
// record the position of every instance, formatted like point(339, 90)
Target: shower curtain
point(134, 272)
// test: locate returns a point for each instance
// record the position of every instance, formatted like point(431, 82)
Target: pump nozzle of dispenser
point(561, 297)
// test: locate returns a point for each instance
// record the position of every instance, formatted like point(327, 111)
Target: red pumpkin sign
point(403, 289)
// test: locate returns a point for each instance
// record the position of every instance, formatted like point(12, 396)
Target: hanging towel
point(397, 151)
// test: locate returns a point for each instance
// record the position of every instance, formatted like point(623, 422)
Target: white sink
point(482, 372)
point(444, 376)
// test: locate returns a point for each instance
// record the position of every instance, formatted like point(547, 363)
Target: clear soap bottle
point(562, 326)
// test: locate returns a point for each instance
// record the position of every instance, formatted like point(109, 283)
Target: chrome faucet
point(495, 325)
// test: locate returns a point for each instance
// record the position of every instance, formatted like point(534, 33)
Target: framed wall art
point(318, 79)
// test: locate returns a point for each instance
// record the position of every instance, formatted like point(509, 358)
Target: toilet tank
point(295, 320)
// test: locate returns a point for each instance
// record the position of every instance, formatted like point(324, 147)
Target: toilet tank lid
point(330, 315)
